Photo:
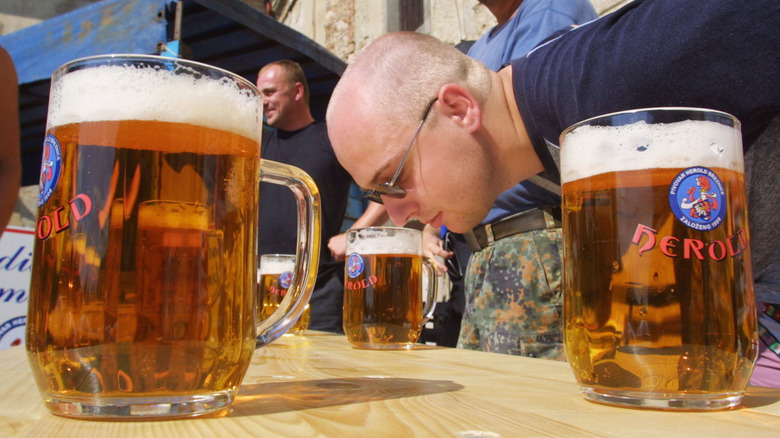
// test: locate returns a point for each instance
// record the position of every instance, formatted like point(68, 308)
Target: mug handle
point(307, 252)
point(433, 287)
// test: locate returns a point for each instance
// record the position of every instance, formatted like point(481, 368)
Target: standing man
point(523, 24)
point(300, 141)
point(514, 299)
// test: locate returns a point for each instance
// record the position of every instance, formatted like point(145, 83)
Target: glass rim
point(278, 256)
point(155, 59)
point(380, 228)
point(659, 110)
point(406, 241)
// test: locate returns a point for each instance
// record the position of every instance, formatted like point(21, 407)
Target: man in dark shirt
point(486, 131)
point(300, 141)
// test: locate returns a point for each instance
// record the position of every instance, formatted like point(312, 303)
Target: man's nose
point(400, 211)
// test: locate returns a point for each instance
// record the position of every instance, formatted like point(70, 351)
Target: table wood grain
point(315, 385)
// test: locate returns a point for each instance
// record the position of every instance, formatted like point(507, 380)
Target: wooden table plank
point(316, 385)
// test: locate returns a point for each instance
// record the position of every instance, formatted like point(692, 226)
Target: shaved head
point(453, 171)
point(400, 72)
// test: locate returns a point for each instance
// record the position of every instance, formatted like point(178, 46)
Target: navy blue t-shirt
point(717, 54)
point(532, 23)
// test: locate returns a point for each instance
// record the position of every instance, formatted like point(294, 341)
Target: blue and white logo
point(698, 198)
point(355, 265)
point(285, 279)
point(51, 165)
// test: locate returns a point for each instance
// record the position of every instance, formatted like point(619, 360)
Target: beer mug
point(275, 276)
point(383, 302)
point(143, 294)
point(659, 304)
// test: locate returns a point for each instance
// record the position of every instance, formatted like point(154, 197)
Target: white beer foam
point(403, 241)
point(592, 150)
point(276, 265)
point(111, 93)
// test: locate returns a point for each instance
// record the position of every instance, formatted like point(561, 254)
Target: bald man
point(438, 136)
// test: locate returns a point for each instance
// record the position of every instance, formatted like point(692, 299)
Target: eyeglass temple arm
point(406, 154)
point(409, 148)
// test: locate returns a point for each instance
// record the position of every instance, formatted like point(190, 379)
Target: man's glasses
point(389, 188)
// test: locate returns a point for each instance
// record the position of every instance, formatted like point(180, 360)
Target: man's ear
point(299, 91)
point(458, 104)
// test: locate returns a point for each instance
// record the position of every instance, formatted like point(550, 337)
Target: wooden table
point(316, 385)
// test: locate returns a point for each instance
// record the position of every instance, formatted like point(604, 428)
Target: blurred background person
point(297, 139)
point(10, 161)
point(761, 163)
point(374, 215)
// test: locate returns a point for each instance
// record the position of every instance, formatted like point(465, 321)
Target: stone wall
point(341, 26)
point(345, 26)
point(18, 14)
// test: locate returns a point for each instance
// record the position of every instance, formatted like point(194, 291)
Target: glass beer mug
point(659, 308)
point(143, 298)
point(275, 276)
point(383, 289)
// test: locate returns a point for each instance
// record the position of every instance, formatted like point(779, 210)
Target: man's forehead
point(360, 142)
point(271, 75)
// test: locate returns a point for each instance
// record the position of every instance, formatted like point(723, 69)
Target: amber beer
point(659, 305)
point(276, 273)
point(143, 285)
point(383, 289)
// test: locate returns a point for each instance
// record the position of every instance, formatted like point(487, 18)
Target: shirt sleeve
point(721, 56)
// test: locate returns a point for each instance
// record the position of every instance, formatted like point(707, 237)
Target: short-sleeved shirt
point(533, 22)
point(626, 60)
point(309, 149)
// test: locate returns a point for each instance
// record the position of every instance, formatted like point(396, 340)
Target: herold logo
point(697, 198)
point(79, 207)
point(671, 246)
point(51, 165)
point(285, 279)
point(355, 267)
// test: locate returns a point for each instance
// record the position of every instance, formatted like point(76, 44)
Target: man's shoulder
point(569, 11)
point(316, 129)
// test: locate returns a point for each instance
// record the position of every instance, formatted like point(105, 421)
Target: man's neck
point(515, 152)
point(297, 123)
point(504, 11)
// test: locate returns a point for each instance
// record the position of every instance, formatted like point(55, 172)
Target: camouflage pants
point(514, 301)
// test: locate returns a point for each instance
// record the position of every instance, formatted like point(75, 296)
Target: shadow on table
point(277, 397)
point(757, 396)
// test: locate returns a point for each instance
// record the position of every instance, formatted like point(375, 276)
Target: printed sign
point(16, 247)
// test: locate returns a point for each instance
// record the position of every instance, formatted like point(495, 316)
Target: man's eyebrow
point(375, 180)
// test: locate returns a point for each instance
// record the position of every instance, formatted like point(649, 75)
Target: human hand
point(338, 246)
point(433, 248)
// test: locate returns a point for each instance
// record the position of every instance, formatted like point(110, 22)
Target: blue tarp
point(111, 26)
point(225, 33)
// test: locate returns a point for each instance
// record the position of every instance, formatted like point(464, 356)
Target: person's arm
point(375, 215)
point(433, 247)
point(10, 161)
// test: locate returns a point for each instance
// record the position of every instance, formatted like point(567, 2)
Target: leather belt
point(530, 220)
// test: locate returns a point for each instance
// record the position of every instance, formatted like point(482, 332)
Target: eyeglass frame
point(390, 188)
